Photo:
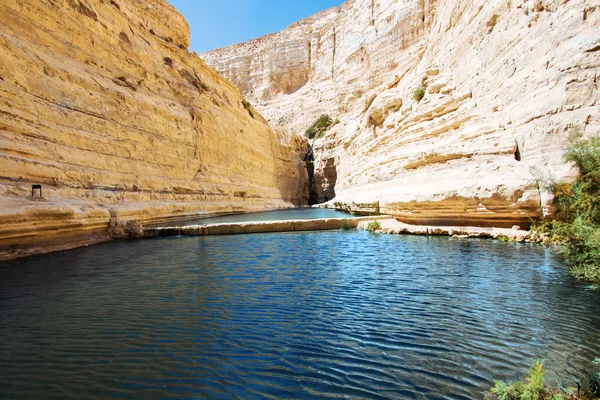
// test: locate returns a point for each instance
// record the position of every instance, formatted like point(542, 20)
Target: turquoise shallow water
point(295, 315)
point(279, 215)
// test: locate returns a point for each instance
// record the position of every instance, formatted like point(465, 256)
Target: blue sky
point(219, 23)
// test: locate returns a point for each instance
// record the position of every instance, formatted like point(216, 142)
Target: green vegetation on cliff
point(576, 223)
point(418, 94)
point(319, 127)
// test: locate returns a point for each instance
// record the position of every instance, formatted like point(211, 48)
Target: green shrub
point(418, 94)
point(532, 389)
point(345, 225)
point(373, 226)
point(319, 127)
point(508, 391)
point(577, 210)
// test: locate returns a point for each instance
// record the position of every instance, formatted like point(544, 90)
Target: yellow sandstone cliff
point(102, 104)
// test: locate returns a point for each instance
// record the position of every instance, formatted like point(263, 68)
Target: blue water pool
point(339, 314)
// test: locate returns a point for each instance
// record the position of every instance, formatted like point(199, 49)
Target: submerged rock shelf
point(392, 226)
point(259, 227)
point(388, 225)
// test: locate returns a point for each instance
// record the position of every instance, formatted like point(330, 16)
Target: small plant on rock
point(319, 127)
point(532, 388)
point(345, 225)
point(419, 94)
point(373, 226)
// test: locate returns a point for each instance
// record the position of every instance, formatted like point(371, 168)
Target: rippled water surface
point(295, 315)
point(279, 215)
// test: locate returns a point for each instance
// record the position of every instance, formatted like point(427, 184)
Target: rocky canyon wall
point(504, 83)
point(102, 104)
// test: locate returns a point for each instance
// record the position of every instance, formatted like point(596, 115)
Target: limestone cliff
point(504, 83)
point(102, 104)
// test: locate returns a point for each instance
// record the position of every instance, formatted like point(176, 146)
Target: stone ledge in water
point(259, 227)
point(392, 226)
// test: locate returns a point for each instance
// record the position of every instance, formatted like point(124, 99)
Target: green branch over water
point(576, 221)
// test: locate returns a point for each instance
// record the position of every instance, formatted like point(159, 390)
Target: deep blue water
point(295, 315)
point(278, 215)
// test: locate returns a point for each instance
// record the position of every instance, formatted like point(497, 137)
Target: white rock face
point(505, 83)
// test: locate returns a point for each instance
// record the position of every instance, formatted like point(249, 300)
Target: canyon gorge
point(446, 125)
point(503, 84)
point(102, 104)
point(443, 112)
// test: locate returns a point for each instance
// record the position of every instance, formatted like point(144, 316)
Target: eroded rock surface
point(102, 104)
point(504, 83)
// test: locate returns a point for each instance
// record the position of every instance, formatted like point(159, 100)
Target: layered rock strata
point(102, 104)
point(450, 112)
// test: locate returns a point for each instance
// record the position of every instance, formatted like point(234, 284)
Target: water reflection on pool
point(295, 315)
